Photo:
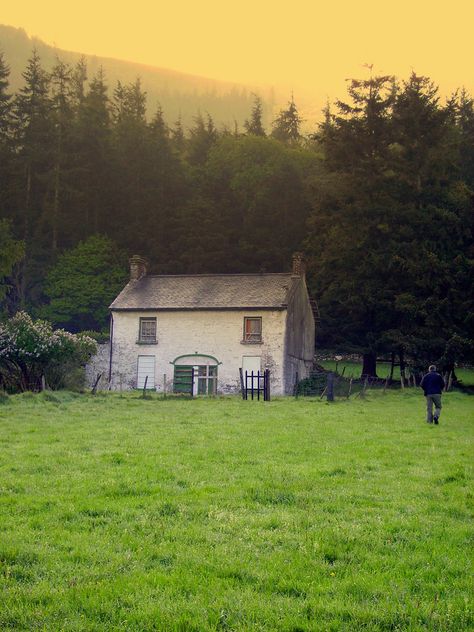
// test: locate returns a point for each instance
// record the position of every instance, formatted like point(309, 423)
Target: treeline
point(380, 198)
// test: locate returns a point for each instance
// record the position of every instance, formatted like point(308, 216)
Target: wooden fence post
point(350, 389)
point(144, 386)
point(330, 387)
point(94, 388)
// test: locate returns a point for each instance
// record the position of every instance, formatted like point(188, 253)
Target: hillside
point(179, 94)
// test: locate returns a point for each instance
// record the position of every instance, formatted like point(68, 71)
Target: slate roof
point(207, 291)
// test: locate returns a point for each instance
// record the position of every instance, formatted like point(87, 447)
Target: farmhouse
point(194, 332)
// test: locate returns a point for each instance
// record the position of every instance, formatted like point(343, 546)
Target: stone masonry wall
point(213, 333)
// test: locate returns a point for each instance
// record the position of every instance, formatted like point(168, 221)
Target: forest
point(379, 197)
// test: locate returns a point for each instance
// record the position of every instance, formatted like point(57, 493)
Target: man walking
point(432, 385)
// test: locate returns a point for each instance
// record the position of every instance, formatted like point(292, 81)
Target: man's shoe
point(436, 420)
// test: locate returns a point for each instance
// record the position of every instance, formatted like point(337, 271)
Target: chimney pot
point(138, 267)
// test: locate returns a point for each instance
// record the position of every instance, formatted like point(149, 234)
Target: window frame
point(250, 338)
point(147, 339)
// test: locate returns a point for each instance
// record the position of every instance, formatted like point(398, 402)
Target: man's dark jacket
point(432, 383)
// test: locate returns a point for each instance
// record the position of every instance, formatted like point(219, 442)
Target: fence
point(332, 384)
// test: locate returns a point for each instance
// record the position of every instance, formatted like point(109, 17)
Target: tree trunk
point(401, 355)
point(449, 368)
point(369, 364)
point(392, 365)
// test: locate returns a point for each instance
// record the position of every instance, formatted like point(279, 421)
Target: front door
point(251, 363)
point(146, 371)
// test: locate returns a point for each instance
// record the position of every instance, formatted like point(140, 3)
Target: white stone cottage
point(168, 330)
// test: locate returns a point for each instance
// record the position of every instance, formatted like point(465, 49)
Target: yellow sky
point(308, 46)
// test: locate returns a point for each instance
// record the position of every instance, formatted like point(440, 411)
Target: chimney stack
point(138, 267)
point(299, 267)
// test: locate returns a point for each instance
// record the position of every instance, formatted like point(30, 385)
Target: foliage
point(286, 126)
point(11, 253)
point(31, 349)
point(381, 198)
point(208, 515)
point(392, 224)
point(254, 125)
point(83, 283)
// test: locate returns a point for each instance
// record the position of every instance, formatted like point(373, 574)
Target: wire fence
point(332, 385)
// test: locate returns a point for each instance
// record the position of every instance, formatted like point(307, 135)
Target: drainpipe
point(111, 345)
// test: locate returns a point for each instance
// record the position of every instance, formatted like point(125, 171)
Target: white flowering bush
point(31, 349)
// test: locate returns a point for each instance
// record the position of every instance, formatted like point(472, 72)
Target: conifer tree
point(6, 146)
point(5, 100)
point(61, 106)
point(177, 136)
point(33, 136)
point(93, 157)
point(202, 137)
point(286, 126)
point(254, 125)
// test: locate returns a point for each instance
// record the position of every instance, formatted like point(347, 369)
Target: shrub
point(31, 349)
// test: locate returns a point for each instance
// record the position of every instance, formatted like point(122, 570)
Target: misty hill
point(179, 94)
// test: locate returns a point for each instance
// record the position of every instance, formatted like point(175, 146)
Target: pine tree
point(33, 130)
point(5, 100)
point(6, 147)
point(177, 136)
point(202, 136)
point(78, 82)
point(254, 125)
point(352, 218)
point(61, 105)
point(93, 157)
point(286, 126)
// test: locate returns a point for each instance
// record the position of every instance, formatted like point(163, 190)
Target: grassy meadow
point(119, 513)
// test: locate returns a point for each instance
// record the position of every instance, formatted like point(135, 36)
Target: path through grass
point(130, 514)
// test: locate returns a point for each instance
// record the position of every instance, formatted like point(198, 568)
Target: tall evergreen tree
point(202, 136)
point(178, 137)
point(61, 106)
point(6, 147)
point(254, 125)
point(78, 82)
point(93, 157)
point(286, 126)
point(350, 223)
point(5, 99)
point(33, 131)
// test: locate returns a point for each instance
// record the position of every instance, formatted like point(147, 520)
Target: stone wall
point(300, 337)
point(99, 364)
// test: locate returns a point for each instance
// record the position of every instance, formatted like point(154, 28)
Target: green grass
point(131, 514)
point(383, 370)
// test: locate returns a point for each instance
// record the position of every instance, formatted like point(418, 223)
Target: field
point(118, 513)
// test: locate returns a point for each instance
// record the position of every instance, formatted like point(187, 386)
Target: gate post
point(267, 385)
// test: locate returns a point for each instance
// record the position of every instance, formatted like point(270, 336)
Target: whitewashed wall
point(216, 333)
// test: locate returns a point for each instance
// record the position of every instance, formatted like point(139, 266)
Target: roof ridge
point(218, 274)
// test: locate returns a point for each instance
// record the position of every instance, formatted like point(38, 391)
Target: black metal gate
point(255, 384)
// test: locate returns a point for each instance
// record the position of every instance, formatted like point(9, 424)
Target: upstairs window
point(252, 329)
point(147, 331)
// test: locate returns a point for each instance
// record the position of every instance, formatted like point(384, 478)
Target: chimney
point(299, 266)
point(138, 266)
